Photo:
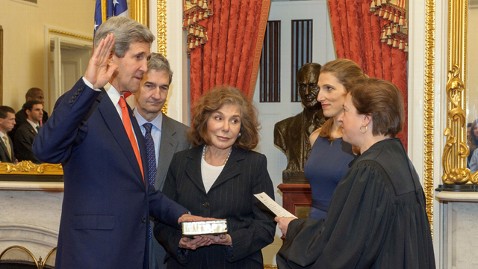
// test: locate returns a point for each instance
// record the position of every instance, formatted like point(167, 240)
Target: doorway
point(68, 57)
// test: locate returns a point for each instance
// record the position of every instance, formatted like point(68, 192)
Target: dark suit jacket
point(23, 142)
point(21, 118)
point(104, 220)
point(4, 153)
point(230, 197)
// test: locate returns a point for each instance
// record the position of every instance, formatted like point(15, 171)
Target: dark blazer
point(4, 153)
point(104, 220)
point(230, 197)
point(173, 139)
point(23, 142)
point(21, 118)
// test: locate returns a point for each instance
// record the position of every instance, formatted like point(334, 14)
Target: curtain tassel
point(389, 31)
point(395, 43)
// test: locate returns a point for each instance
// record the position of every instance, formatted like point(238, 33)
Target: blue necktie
point(150, 154)
point(151, 157)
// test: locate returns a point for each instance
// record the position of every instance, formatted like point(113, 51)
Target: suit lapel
point(141, 145)
point(113, 121)
point(12, 158)
point(31, 131)
point(231, 169)
point(4, 149)
point(167, 147)
point(193, 167)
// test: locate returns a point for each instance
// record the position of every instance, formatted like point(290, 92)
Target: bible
point(214, 227)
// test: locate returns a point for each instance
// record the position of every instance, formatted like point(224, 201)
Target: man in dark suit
point(33, 94)
point(27, 132)
point(7, 121)
point(169, 136)
point(107, 203)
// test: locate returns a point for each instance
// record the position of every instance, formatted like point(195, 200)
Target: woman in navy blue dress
point(330, 156)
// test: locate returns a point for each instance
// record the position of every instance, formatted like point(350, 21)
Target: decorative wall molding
point(162, 28)
point(428, 114)
point(16, 233)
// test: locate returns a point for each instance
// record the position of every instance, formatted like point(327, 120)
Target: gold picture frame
point(428, 108)
point(455, 152)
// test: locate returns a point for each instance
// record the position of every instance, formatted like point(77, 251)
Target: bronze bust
point(291, 135)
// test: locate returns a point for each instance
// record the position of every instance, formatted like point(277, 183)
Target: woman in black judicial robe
point(377, 216)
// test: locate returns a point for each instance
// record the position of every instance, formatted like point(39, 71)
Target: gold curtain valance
point(194, 12)
point(394, 30)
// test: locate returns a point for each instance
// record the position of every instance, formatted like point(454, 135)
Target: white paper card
point(278, 210)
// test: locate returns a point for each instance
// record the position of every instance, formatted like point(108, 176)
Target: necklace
point(204, 150)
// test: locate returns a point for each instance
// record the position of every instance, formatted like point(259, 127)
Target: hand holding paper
point(273, 206)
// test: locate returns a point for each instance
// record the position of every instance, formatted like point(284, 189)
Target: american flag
point(109, 8)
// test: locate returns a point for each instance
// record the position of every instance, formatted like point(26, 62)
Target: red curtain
point(357, 36)
point(232, 53)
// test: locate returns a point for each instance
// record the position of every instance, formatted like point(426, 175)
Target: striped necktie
point(151, 156)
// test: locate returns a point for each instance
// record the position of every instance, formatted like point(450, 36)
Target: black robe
point(377, 219)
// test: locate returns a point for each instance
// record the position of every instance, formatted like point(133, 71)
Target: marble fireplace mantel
point(458, 235)
point(30, 215)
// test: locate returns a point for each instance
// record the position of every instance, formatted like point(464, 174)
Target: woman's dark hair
point(383, 101)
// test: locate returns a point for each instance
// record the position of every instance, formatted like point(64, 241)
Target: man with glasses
point(291, 135)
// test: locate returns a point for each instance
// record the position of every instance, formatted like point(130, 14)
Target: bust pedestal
point(296, 198)
point(458, 235)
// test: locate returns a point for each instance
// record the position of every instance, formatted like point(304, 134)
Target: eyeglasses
point(311, 86)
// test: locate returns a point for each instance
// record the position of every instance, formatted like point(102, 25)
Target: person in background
point(169, 136)
point(377, 217)
point(106, 202)
point(291, 135)
point(7, 121)
point(472, 145)
point(33, 94)
point(217, 178)
point(336, 78)
point(27, 132)
point(472, 139)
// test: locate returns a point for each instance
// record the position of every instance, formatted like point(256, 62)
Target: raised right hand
point(101, 67)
